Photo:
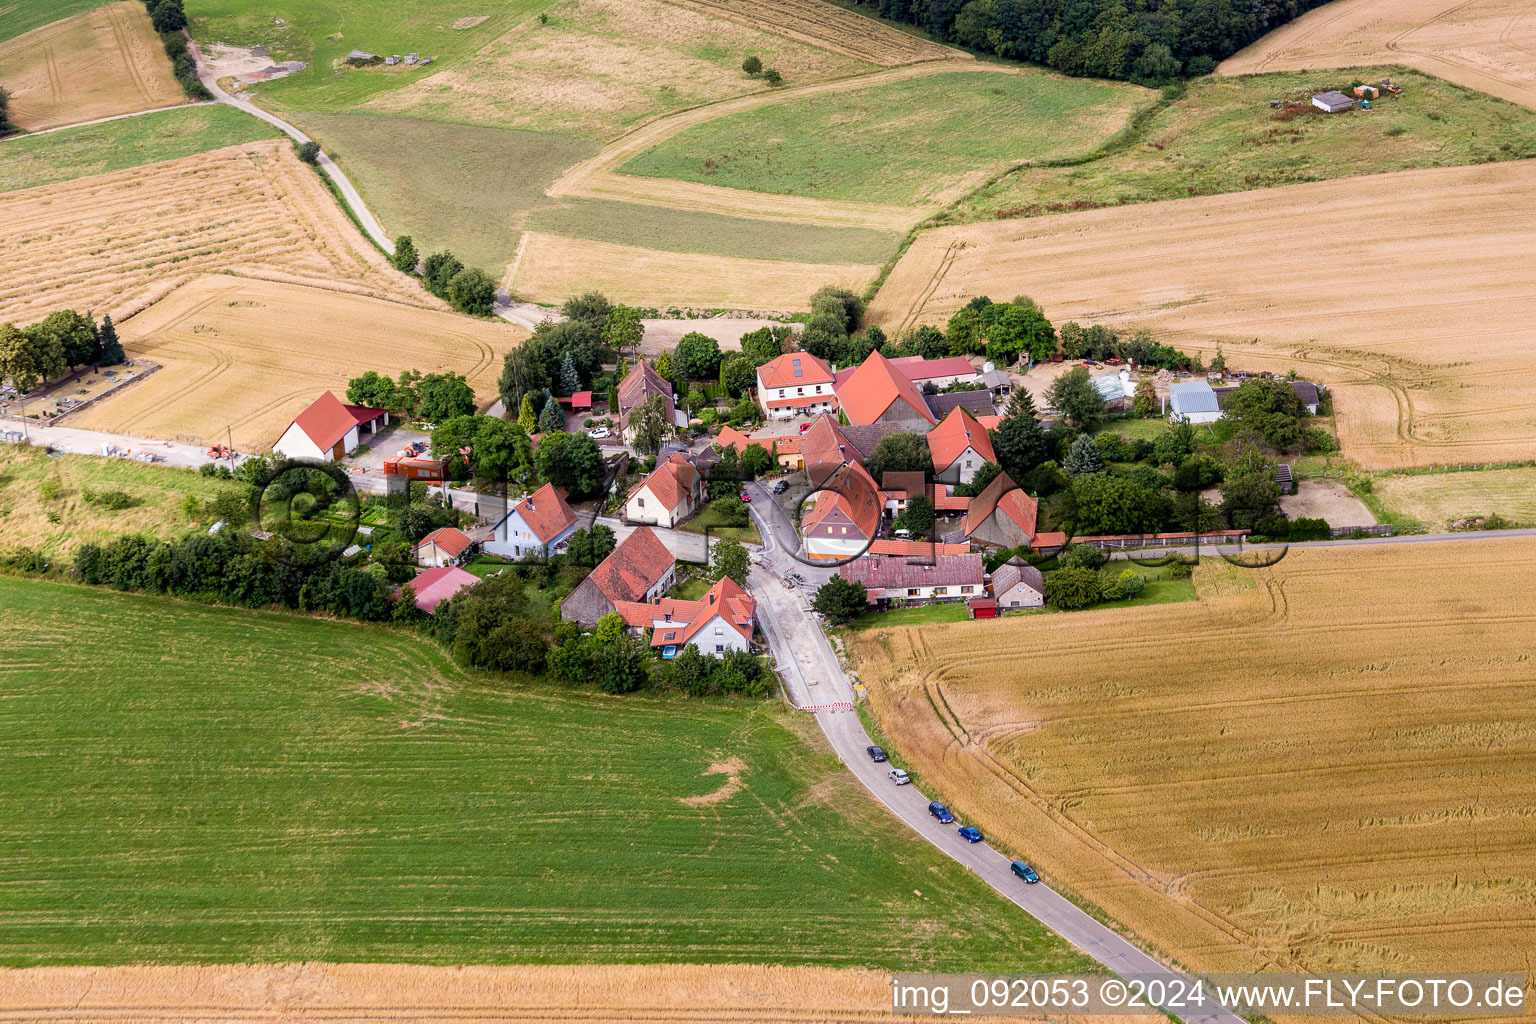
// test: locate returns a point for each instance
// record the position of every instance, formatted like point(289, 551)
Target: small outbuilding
point(1017, 584)
point(1332, 102)
point(444, 546)
point(1283, 478)
point(1193, 402)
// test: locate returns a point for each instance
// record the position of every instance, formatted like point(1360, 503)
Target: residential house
point(795, 384)
point(1001, 516)
point(721, 621)
point(328, 429)
point(900, 580)
point(878, 391)
point(897, 488)
point(959, 445)
point(639, 385)
point(784, 449)
point(1193, 402)
point(671, 493)
point(444, 546)
point(538, 526)
point(1017, 584)
point(640, 569)
point(845, 517)
point(916, 548)
point(434, 586)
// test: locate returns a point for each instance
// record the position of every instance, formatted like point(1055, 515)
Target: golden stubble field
point(250, 355)
point(1487, 45)
point(1328, 764)
point(96, 64)
point(1409, 293)
point(731, 994)
point(115, 243)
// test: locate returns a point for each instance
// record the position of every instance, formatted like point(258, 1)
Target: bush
point(472, 291)
point(1073, 588)
point(731, 511)
point(752, 66)
point(309, 152)
point(1131, 583)
point(1081, 556)
point(115, 500)
point(772, 77)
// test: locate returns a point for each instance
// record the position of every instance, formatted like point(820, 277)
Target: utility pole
point(229, 436)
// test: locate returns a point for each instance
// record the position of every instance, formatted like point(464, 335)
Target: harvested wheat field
point(1408, 292)
point(252, 354)
point(829, 27)
point(1328, 764)
point(97, 64)
point(114, 243)
point(1488, 45)
point(549, 268)
point(465, 995)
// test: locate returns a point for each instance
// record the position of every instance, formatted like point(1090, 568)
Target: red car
point(745, 496)
point(804, 427)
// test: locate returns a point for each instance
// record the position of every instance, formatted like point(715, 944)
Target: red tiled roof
point(792, 369)
point(959, 431)
point(672, 481)
point(434, 586)
point(325, 422)
point(905, 484)
point(825, 449)
point(448, 539)
point(546, 513)
point(1003, 496)
point(883, 572)
point(990, 422)
point(730, 437)
point(681, 621)
point(943, 502)
point(634, 567)
point(867, 392)
point(852, 493)
point(1054, 539)
point(917, 368)
point(362, 413)
point(579, 400)
point(915, 548)
point(639, 384)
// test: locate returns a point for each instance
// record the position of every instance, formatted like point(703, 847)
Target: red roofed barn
point(959, 445)
point(328, 429)
point(878, 392)
point(1002, 515)
point(640, 569)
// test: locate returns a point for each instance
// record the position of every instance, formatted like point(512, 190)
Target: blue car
point(970, 835)
point(1025, 872)
point(941, 812)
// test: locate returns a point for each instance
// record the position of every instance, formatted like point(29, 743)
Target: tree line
point(169, 18)
point(50, 348)
point(1150, 42)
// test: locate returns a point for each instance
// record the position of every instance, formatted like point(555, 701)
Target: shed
point(1332, 102)
point(1193, 402)
point(1283, 478)
point(982, 608)
point(361, 57)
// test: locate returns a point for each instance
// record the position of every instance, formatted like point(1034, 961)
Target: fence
point(1381, 530)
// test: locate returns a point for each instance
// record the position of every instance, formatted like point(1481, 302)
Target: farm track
point(1142, 765)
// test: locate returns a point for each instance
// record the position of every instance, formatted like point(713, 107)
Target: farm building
point(795, 384)
point(1309, 393)
point(434, 586)
point(444, 546)
point(900, 580)
point(536, 527)
point(328, 429)
point(959, 445)
point(1332, 102)
point(977, 403)
point(361, 57)
point(1193, 402)
point(1001, 516)
point(878, 392)
point(940, 373)
point(999, 384)
point(672, 493)
point(1049, 543)
point(638, 385)
point(640, 569)
point(721, 621)
point(1017, 584)
point(897, 487)
point(1117, 389)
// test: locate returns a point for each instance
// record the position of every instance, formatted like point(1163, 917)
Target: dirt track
point(1488, 45)
point(1410, 292)
point(341, 993)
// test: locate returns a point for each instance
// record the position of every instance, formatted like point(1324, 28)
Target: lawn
point(473, 203)
point(692, 589)
point(1222, 136)
point(708, 521)
point(188, 784)
point(26, 515)
point(131, 142)
point(1437, 498)
point(693, 231)
point(21, 16)
point(910, 142)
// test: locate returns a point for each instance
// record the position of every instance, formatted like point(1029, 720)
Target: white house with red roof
point(443, 546)
point(670, 494)
point(941, 373)
point(719, 622)
point(538, 526)
point(959, 445)
point(795, 384)
point(328, 429)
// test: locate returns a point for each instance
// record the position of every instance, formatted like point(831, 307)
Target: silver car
point(898, 776)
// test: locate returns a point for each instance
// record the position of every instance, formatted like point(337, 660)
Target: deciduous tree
point(838, 600)
point(729, 558)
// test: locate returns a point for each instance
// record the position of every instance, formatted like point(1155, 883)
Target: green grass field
point(186, 784)
point(905, 142)
point(26, 162)
point(25, 511)
point(655, 227)
point(322, 32)
point(448, 186)
point(1222, 136)
point(20, 16)
point(708, 521)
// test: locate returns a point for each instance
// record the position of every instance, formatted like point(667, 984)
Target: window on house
point(799, 391)
point(911, 591)
point(719, 631)
point(641, 502)
point(845, 531)
point(719, 648)
point(940, 590)
point(967, 590)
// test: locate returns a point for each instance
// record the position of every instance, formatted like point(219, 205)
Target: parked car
point(941, 812)
point(745, 496)
point(781, 487)
point(804, 427)
point(598, 433)
point(876, 754)
point(970, 835)
point(1025, 872)
point(898, 776)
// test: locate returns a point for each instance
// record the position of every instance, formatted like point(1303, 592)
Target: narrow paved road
point(349, 192)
